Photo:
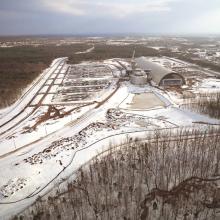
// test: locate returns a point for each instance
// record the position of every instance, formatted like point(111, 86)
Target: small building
point(160, 75)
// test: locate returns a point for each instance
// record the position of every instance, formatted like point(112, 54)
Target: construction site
point(74, 112)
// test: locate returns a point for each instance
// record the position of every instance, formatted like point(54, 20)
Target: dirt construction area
point(142, 101)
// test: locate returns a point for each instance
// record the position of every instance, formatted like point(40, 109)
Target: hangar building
point(160, 75)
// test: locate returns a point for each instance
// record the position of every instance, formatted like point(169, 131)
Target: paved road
point(20, 112)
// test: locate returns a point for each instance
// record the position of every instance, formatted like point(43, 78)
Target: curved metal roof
point(158, 72)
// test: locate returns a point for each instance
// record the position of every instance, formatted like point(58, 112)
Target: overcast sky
point(19, 17)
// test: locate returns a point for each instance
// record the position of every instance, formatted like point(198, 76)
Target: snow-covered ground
point(86, 51)
point(28, 96)
point(33, 161)
point(208, 86)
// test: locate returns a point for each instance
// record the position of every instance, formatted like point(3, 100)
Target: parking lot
point(84, 82)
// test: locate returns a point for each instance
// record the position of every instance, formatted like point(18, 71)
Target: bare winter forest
point(169, 176)
point(208, 104)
